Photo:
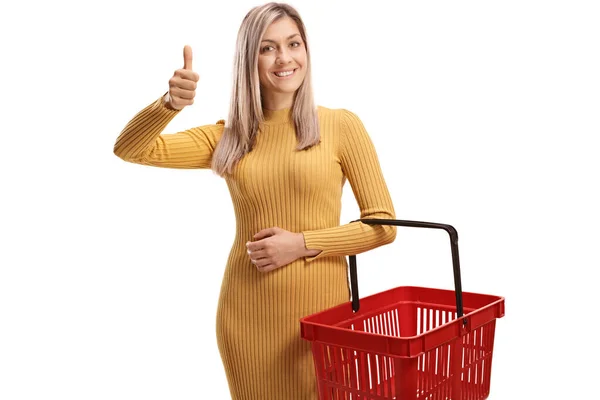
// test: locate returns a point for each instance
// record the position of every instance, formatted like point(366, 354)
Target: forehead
point(281, 29)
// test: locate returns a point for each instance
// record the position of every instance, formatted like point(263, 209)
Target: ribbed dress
point(257, 325)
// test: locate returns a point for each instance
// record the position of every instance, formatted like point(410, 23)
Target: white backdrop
point(483, 115)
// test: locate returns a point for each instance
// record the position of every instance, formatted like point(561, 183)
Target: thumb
point(265, 233)
point(187, 58)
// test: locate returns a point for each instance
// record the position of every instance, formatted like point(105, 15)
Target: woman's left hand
point(275, 247)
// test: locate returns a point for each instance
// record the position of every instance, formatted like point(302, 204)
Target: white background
point(483, 114)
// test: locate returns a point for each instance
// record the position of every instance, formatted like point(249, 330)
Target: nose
point(283, 57)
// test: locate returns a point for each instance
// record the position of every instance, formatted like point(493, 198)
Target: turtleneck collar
point(277, 116)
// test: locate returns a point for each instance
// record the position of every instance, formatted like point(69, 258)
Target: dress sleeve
point(142, 141)
point(360, 165)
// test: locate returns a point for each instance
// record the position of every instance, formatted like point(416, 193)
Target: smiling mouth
point(285, 74)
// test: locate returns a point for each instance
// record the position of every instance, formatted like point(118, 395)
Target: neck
point(277, 101)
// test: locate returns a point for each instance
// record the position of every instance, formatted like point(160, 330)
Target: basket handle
point(417, 224)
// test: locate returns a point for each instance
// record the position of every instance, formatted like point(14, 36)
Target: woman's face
point(282, 58)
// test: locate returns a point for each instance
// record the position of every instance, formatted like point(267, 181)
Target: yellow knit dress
point(257, 327)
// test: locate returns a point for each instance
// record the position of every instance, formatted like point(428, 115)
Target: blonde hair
point(245, 111)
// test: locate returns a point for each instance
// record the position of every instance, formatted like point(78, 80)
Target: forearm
point(350, 239)
point(140, 133)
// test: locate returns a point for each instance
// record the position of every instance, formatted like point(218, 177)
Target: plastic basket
point(407, 342)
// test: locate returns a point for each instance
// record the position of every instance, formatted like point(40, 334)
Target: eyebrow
point(288, 38)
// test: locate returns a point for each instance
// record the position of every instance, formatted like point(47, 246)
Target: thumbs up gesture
point(182, 86)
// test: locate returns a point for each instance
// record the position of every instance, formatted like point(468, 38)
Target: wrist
point(304, 252)
point(166, 101)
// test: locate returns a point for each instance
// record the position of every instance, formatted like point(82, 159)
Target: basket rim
point(307, 321)
point(401, 346)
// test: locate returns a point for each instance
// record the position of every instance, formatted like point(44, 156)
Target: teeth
point(286, 73)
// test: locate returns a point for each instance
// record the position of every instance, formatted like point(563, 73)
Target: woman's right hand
point(182, 86)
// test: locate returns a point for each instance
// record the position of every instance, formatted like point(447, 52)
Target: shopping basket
point(408, 342)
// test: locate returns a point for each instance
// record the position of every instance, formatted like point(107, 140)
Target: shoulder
point(347, 121)
point(341, 116)
point(218, 126)
point(348, 129)
point(209, 132)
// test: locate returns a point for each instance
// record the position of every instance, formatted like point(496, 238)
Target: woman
point(285, 163)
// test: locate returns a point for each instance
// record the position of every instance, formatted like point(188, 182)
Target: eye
point(295, 44)
point(266, 48)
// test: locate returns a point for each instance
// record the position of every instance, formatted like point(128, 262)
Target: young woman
point(285, 162)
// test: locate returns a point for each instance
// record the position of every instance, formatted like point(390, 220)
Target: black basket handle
point(417, 224)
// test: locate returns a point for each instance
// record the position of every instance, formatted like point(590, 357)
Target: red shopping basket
point(408, 342)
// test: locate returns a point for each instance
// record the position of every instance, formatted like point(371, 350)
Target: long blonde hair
point(245, 111)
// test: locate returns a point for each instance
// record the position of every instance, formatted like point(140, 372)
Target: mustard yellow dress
point(257, 326)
